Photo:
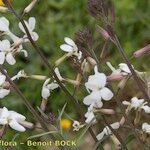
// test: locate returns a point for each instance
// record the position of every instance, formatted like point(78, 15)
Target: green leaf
point(129, 139)
point(62, 111)
point(42, 134)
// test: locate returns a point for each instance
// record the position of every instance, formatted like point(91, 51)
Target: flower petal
point(52, 86)
point(10, 59)
point(124, 67)
point(35, 36)
point(115, 125)
point(2, 79)
point(100, 136)
point(3, 93)
point(16, 126)
point(4, 24)
point(146, 109)
point(2, 57)
point(66, 48)
point(69, 41)
point(106, 94)
point(4, 45)
point(32, 23)
point(95, 82)
point(94, 97)
point(45, 93)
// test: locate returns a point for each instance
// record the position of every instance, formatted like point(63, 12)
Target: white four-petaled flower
point(96, 84)
point(77, 125)
point(47, 88)
point(6, 53)
point(123, 69)
point(137, 104)
point(12, 118)
point(31, 26)
point(71, 47)
point(107, 130)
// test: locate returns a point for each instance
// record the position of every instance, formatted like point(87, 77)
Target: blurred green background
point(57, 19)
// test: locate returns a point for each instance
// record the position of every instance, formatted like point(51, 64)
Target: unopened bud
point(142, 51)
point(27, 124)
point(43, 105)
point(38, 77)
point(116, 77)
point(122, 121)
point(103, 32)
point(105, 111)
point(30, 6)
point(91, 61)
point(3, 9)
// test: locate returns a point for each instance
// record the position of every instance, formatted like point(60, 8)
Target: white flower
point(77, 126)
point(5, 53)
point(137, 104)
point(123, 69)
point(12, 118)
point(96, 83)
point(146, 127)
point(89, 115)
point(47, 88)
point(3, 92)
point(71, 47)
point(107, 131)
point(31, 26)
point(20, 74)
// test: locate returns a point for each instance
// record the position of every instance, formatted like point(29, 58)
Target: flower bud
point(3, 9)
point(142, 51)
point(103, 32)
point(105, 111)
point(91, 61)
point(116, 77)
point(37, 77)
point(27, 124)
point(43, 105)
point(122, 121)
point(30, 6)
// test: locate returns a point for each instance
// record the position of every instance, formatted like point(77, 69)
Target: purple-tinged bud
point(143, 51)
point(103, 32)
point(116, 77)
point(27, 124)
